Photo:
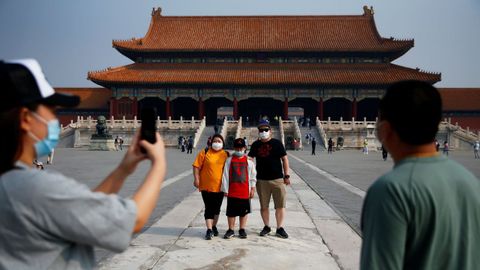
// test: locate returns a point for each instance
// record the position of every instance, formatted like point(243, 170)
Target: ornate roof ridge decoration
point(427, 72)
point(298, 33)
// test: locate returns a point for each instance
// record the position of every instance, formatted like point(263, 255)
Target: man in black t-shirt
point(272, 176)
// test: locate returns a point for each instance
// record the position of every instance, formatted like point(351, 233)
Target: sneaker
point(266, 230)
point(229, 234)
point(242, 233)
point(281, 233)
point(215, 231)
point(208, 235)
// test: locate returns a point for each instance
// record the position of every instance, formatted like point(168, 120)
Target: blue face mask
point(45, 146)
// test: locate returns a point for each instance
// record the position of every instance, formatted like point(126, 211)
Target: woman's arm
point(196, 177)
point(114, 181)
point(147, 194)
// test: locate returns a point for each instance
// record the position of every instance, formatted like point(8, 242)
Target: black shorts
point(238, 207)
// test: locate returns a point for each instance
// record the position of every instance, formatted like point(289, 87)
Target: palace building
point(330, 66)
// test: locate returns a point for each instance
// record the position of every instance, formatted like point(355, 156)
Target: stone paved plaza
point(341, 178)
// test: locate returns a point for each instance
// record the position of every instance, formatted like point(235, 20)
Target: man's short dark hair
point(414, 109)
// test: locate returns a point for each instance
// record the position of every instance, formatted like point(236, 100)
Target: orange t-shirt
point(211, 169)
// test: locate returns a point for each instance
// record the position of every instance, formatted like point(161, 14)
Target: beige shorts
point(272, 188)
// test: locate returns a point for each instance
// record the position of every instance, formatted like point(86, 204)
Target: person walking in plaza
point(209, 141)
point(50, 157)
point(314, 144)
point(190, 145)
point(437, 145)
point(116, 143)
point(476, 149)
point(246, 144)
point(50, 221)
point(425, 212)
point(330, 146)
point(207, 173)
point(365, 147)
point(384, 153)
point(272, 176)
point(446, 148)
point(238, 184)
point(120, 143)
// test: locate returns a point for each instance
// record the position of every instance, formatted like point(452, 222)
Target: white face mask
point(238, 153)
point(264, 135)
point(217, 146)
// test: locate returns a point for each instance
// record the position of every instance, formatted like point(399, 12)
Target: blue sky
point(70, 38)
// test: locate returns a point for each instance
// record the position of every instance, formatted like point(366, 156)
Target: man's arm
point(286, 169)
point(384, 229)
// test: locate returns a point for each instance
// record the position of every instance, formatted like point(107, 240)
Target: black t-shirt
point(268, 156)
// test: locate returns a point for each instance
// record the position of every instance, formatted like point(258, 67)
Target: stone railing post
point(158, 122)
point(89, 121)
point(364, 122)
point(181, 122)
point(112, 122)
point(193, 122)
point(341, 122)
point(135, 122)
point(124, 122)
point(239, 128)
point(329, 123)
point(170, 122)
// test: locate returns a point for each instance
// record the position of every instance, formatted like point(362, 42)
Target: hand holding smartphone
point(148, 129)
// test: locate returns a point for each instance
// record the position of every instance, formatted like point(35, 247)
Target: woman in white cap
point(49, 221)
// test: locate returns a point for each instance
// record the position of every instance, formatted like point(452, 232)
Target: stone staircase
point(314, 131)
point(202, 141)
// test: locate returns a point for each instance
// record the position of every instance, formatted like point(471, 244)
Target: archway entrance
point(185, 107)
point(368, 108)
point(338, 107)
point(255, 109)
point(310, 107)
point(153, 102)
point(211, 106)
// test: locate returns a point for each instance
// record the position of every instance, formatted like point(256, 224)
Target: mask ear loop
point(39, 118)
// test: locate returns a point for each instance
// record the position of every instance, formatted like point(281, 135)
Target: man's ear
point(389, 133)
point(25, 120)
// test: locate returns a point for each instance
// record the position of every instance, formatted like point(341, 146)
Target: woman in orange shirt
point(207, 172)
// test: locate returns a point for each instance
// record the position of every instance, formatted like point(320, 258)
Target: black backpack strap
point(206, 150)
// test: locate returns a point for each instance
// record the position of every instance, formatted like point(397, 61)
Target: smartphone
point(148, 129)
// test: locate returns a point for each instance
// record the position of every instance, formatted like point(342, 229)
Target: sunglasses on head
point(263, 129)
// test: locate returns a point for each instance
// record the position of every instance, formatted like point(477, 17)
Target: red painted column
point(201, 109)
point(320, 109)
point(285, 109)
point(354, 108)
point(134, 107)
point(235, 108)
point(113, 107)
point(167, 108)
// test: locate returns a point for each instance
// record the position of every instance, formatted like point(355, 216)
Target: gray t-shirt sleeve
point(71, 211)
